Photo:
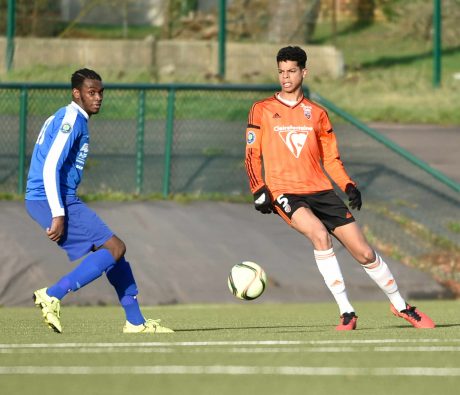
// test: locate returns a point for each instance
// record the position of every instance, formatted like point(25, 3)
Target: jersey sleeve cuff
point(58, 212)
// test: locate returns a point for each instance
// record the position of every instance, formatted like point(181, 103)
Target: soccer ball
point(247, 280)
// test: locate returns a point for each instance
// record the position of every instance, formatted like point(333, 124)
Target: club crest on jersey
point(294, 137)
point(251, 137)
point(306, 110)
point(66, 128)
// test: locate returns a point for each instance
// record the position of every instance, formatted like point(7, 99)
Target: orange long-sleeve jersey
point(292, 142)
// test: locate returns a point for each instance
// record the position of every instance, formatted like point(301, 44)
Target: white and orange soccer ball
point(247, 280)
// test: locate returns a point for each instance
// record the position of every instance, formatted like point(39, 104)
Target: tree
point(365, 10)
point(293, 20)
point(33, 17)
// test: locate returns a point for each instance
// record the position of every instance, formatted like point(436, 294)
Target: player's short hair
point(83, 74)
point(296, 54)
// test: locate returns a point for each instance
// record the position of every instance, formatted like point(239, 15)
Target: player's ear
point(76, 93)
point(304, 73)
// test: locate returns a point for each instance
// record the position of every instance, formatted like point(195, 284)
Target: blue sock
point(132, 310)
point(122, 279)
point(87, 271)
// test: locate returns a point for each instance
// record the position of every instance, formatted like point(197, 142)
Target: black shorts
point(326, 205)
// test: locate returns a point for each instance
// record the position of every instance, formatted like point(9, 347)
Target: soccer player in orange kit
point(291, 137)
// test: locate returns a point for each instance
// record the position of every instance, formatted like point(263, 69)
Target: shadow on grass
point(350, 29)
point(284, 327)
point(388, 61)
point(406, 326)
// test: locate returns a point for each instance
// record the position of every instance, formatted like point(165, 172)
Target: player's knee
point(321, 239)
point(366, 255)
point(120, 250)
point(116, 247)
point(318, 235)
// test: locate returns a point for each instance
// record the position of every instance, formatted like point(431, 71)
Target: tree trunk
point(311, 19)
point(285, 16)
point(365, 12)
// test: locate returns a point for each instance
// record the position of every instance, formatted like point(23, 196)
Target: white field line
point(269, 346)
point(229, 370)
point(230, 350)
point(224, 343)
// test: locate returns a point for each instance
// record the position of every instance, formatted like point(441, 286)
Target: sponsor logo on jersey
point(82, 155)
point(306, 110)
point(251, 137)
point(66, 127)
point(276, 115)
point(85, 148)
point(294, 137)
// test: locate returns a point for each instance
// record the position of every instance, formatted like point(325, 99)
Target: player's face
point(290, 76)
point(89, 96)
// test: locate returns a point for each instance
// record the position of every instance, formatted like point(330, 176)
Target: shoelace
point(412, 313)
point(53, 307)
point(347, 317)
point(155, 323)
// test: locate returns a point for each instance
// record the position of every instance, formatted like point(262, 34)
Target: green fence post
point(140, 143)
point(10, 33)
point(169, 140)
point(222, 37)
point(22, 139)
point(437, 44)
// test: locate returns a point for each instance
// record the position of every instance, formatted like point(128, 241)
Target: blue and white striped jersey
point(58, 158)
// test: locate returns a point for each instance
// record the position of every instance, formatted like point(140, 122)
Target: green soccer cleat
point(149, 326)
point(51, 309)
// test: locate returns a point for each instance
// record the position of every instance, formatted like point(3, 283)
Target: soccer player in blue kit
point(55, 172)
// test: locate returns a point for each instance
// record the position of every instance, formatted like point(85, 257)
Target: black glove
point(354, 196)
point(263, 201)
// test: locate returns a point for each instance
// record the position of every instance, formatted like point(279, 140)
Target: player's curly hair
point(83, 74)
point(296, 54)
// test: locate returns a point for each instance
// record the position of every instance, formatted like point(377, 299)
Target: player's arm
point(57, 155)
point(253, 161)
point(333, 165)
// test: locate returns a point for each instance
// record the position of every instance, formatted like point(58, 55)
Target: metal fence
point(189, 139)
point(148, 139)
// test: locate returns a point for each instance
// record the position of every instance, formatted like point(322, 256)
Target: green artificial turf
point(240, 348)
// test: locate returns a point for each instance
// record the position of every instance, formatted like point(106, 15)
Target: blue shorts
point(84, 230)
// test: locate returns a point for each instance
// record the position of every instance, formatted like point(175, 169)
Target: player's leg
point(50, 306)
point(122, 279)
point(353, 239)
point(84, 230)
point(85, 233)
point(302, 219)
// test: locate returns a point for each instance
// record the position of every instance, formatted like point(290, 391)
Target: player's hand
point(354, 196)
point(263, 201)
point(56, 230)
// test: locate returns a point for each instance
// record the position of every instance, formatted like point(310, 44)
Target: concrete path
point(182, 253)
point(439, 146)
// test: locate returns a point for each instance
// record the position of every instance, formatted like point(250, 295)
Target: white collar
point(77, 107)
point(290, 103)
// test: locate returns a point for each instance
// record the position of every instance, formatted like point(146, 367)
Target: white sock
point(330, 269)
point(381, 274)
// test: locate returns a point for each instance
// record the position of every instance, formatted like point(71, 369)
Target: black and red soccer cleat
point(347, 322)
point(415, 317)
